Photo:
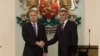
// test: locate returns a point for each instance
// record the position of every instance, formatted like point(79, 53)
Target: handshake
point(40, 44)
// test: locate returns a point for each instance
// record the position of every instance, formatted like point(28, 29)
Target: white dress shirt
point(64, 23)
point(35, 24)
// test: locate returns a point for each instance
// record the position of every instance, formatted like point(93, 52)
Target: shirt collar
point(33, 23)
point(65, 21)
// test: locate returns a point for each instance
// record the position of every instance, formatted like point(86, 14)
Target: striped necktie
point(34, 26)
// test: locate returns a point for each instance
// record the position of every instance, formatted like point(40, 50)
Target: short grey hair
point(64, 11)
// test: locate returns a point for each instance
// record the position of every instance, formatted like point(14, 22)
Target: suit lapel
point(38, 28)
point(63, 31)
point(32, 29)
point(66, 25)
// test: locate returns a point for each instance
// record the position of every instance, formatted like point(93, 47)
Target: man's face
point(33, 16)
point(63, 16)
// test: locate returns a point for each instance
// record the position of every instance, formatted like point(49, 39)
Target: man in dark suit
point(34, 36)
point(66, 35)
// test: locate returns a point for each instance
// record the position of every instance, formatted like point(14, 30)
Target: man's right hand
point(40, 44)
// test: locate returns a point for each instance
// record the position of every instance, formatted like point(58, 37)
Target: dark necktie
point(34, 26)
point(62, 24)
